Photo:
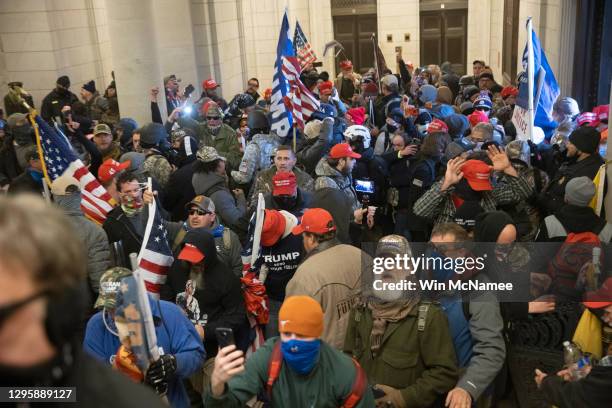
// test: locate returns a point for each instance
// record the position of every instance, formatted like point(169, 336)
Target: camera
point(188, 90)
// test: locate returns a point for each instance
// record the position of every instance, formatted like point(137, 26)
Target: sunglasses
point(213, 118)
point(198, 212)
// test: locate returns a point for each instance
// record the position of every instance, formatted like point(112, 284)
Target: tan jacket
point(331, 275)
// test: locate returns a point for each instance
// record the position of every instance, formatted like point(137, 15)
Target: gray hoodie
point(213, 186)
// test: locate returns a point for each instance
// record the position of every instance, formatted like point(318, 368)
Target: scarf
point(384, 313)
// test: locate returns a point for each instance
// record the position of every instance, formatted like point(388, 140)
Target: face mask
point(388, 295)
point(285, 202)
point(7, 311)
point(130, 206)
point(422, 128)
point(22, 134)
point(301, 355)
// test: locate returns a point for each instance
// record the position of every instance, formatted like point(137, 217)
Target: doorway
point(355, 34)
point(444, 38)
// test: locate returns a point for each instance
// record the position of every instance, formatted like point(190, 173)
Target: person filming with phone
point(297, 369)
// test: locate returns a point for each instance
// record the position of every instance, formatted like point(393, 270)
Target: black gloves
point(160, 372)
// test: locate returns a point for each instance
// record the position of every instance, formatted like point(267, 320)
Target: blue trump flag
point(545, 86)
point(281, 121)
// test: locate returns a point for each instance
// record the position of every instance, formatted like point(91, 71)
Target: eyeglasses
point(198, 212)
point(213, 118)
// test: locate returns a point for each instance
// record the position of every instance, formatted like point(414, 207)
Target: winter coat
point(331, 274)
point(329, 383)
point(91, 235)
point(438, 205)
point(9, 165)
point(383, 106)
point(312, 150)
point(421, 363)
point(553, 196)
point(53, 103)
point(339, 82)
point(176, 335)
point(263, 183)
point(327, 176)
point(213, 186)
point(303, 202)
point(217, 291)
point(225, 141)
point(257, 156)
point(338, 205)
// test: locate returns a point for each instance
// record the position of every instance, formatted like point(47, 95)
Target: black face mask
point(391, 129)
point(22, 134)
point(7, 311)
point(285, 202)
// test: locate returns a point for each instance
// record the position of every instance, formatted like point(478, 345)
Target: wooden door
point(354, 33)
point(444, 38)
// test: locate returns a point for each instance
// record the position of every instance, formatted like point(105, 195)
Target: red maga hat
point(477, 173)
point(342, 150)
point(316, 221)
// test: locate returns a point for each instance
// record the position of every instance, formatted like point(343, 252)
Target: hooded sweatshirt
point(213, 185)
point(328, 176)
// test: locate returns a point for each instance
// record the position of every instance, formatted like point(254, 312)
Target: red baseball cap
point(342, 150)
point(477, 117)
point(325, 88)
point(600, 298)
point(602, 114)
point(357, 115)
point(284, 183)
point(273, 227)
point(110, 168)
point(477, 173)
point(191, 253)
point(437, 125)
point(209, 84)
point(346, 64)
point(508, 91)
point(315, 220)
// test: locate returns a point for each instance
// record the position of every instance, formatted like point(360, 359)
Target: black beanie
point(586, 139)
point(490, 224)
point(90, 86)
point(63, 81)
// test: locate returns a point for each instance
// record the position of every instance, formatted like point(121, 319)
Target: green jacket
point(329, 383)
point(421, 364)
point(225, 142)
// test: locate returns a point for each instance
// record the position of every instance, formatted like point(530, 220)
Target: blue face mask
point(301, 355)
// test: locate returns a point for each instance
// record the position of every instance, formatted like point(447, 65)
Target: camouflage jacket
point(257, 156)
point(96, 107)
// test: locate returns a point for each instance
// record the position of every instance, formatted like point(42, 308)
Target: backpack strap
point(554, 227)
point(227, 239)
point(359, 386)
point(605, 235)
point(422, 316)
point(274, 367)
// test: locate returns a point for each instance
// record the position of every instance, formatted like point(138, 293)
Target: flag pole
point(530, 78)
point(294, 140)
point(375, 46)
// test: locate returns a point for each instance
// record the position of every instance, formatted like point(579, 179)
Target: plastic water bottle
point(575, 361)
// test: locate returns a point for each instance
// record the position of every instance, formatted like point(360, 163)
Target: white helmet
point(356, 131)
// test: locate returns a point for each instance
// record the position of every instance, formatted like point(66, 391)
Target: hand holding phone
point(225, 337)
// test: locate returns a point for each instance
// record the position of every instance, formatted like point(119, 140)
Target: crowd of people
point(419, 162)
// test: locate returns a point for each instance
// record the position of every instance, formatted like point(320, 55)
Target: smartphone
point(225, 337)
point(364, 186)
point(378, 393)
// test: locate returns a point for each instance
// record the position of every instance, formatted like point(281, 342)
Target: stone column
point(133, 47)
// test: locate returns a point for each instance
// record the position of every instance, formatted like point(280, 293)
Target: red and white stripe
point(303, 102)
point(95, 200)
point(154, 267)
point(306, 55)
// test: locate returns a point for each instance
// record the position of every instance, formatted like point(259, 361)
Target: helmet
point(357, 131)
point(257, 120)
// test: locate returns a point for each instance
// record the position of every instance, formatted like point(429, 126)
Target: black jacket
point(9, 165)
point(371, 167)
point(383, 106)
point(338, 205)
point(119, 228)
point(53, 103)
point(219, 294)
point(593, 391)
point(24, 183)
point(304, 199)
point(553, 197)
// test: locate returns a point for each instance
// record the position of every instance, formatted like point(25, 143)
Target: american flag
point(155, 256)
point(60, 158)
point(303, 49)
point(303, 102)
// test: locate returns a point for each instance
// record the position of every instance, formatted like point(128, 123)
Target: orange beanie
point(301, 315)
